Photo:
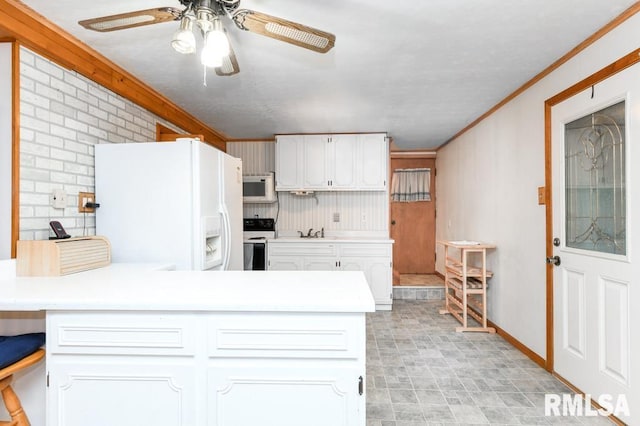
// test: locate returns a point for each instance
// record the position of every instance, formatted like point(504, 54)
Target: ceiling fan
point(216, 52)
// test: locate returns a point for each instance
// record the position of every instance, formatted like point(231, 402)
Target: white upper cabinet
point(289, 157)
point(373, 155)
point(338, 162)
point(344, 161)
point(315, 173)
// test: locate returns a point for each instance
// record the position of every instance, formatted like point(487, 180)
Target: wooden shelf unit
point(465, 283)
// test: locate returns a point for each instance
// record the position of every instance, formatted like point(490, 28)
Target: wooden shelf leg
point(464, 288)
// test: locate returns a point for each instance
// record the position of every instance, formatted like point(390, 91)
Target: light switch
point(542, 195)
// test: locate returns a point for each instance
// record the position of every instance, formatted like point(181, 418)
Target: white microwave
point(258, 189)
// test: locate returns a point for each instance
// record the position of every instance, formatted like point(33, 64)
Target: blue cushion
point(14, 348)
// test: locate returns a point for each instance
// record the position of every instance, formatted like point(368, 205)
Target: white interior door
point(595, 193)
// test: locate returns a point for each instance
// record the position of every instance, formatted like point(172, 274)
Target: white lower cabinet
point(286, 263)
point(313, 263)
point(373, 258)
point(213, 369)
point(283, 394)
point(107, 391)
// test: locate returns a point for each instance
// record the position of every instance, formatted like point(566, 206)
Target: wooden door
point(413, 226)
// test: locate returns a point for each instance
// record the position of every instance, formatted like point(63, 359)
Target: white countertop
point(131, 287)
point(332, 240)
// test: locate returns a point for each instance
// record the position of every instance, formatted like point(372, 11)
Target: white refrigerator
point(175, 202)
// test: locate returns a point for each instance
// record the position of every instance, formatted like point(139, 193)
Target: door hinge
point(360, 386)
point(47, 379)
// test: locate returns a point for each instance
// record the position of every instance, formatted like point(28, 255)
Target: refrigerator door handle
point(226, 241)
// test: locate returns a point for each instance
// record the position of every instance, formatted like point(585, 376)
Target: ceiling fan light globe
point(210, 58)
point(184, 42)
point(183, 39)
point(218, 42)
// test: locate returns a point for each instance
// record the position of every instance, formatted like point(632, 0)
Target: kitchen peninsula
point(201, 348)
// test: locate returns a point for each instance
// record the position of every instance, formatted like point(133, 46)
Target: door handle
point(554, 260)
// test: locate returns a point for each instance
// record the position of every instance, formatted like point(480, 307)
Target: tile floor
point(421, 372)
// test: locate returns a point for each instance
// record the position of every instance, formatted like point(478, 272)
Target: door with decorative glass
point(596, 307)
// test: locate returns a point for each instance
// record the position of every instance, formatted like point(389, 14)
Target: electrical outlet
point(59, 199)
point(336, 217)
point(83, 199)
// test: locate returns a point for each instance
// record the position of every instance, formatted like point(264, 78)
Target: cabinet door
point(342, 167)
point(107, 391)
point(377, 271)
point(373, 156)
point(284, 394)
point(285, 263)
point(351, 264)
point(314, 171)
point(319, 263)
point(288, 162)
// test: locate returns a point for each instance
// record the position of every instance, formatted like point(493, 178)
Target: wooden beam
point(47, 39)
point(15, 147)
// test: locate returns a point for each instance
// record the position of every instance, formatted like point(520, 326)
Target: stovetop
point(259, 224)
point(258, 229)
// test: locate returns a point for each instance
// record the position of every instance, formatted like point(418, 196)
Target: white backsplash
point(360, 212)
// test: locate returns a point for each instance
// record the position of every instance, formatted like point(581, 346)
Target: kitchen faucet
point(302, 235)
point(311, 234)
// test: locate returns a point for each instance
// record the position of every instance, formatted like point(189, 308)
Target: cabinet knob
point(393, 222)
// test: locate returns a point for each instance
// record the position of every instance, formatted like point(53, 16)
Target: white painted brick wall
point(62, 116)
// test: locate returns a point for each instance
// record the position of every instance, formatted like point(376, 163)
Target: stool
point(16, 354)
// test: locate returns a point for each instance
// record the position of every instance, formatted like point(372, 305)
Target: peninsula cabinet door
point(83, 393)
point(284, 394)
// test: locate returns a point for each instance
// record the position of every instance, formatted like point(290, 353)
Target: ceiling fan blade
point(281, 29)
point(131, 19)
point(229, 64)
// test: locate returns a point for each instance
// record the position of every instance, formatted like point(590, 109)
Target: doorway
point(591, 299)
point(412, 226)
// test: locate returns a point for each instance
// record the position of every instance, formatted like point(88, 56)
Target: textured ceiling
point(419, 70)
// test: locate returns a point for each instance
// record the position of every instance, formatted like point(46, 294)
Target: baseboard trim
point(542, 363)
point(516, 343)
point(519, 345)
